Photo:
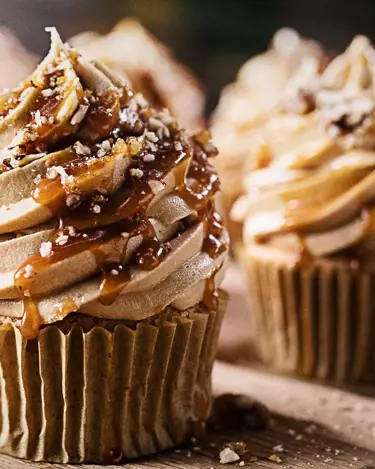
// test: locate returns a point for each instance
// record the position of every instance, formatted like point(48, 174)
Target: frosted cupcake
point(309, 223)
point(111, 254)
point(243, 108)
point(137, 56)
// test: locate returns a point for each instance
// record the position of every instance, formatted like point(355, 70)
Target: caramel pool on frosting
point(106, 206)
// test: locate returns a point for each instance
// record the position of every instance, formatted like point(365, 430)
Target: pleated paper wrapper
point(102, 395)
point(316, 319)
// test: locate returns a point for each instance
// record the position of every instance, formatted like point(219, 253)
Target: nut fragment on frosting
point(317, 192)
point(110, 205)
point(131, 51)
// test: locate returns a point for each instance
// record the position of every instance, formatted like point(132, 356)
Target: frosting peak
point(107, 207)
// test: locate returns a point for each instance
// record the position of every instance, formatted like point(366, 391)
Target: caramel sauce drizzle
point(124, 211)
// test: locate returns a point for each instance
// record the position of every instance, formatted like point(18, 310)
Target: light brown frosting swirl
point(106, 206)
point(318, 190)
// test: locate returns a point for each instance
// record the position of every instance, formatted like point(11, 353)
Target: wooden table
point(313, 426)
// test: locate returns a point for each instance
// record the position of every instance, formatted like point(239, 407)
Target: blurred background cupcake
point(309, 222)
point(243, 108)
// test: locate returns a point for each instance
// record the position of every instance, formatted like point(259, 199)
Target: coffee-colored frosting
point(135, 54)
point(106, 206)
point(317, 190)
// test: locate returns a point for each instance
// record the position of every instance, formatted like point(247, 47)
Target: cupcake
point(243, 108)
point(111, 258)
point(308, 223)
point(140, 58)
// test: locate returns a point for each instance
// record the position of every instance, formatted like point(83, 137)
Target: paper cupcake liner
point(316, 319)
point(100, 395)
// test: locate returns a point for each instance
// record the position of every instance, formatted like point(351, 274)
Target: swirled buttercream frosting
point(106, 207)
point(317, 191)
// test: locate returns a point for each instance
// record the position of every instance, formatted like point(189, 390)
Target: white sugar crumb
point(178, 146)
point(52, 173)
point(165, 117)
point(136, 172)
point(38, 118)
point(96, 208)
point(46, 249)
point(151, 136)
point(151, 146)
point(47, 93)
point(59, 170)
point(125, 235)
point(81, 150)
point(114, 272)
point(156, 186)
point(29, 271)
point(61, 240)
point(148, 158)
point(103, 148)
point(278, 449)
point(242, 463)
point(141, 100)
point(80, 114)
point(129, 115)
point(71, 230)
point(227, 456)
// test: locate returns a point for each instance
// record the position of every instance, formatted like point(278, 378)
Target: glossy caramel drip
point(210, 296)
point(304, 255)
point(31, 320)
point(123, 211)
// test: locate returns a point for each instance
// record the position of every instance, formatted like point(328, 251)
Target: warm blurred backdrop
point(213, 37)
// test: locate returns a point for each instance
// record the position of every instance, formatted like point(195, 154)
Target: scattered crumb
point(81, 150)
point(275, 458)
point(151, 136)
point(228, 456)
point(148, 158)
point(71, 230)
point(46, 249)
point(279, 449)
point(61, 240)
point(29, 271)
point(141, 100)
point(136, 172)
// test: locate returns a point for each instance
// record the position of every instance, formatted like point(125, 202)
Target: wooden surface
point(313, 426)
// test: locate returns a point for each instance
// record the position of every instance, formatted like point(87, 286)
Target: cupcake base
point(102, 391)
point(315, 318)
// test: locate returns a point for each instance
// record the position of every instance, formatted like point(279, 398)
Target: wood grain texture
point(304, 445)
